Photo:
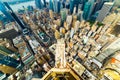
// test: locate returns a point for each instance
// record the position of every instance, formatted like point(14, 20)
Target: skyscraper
point(76, 4)
point(51, 14)
point(39, 4)
point(80, 15)
point(55, 3)
point(74, 11)
point(83, 3)
point(71, 6)
point(50, 5)
point(63, 14)
point(98, 5)
point(104, 11)
point(88, 8)
point(21, 24)
point(59, 6)
point(44, 3)
point(6, 59)
point(5, 11)
point(66, 4)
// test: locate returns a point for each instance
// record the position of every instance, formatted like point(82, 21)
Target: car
point(44, 38)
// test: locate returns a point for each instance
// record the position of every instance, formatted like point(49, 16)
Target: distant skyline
point(13, 0)
point(19, 0)
point(15, 7)
point(19, 6)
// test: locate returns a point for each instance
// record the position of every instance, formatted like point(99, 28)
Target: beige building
point(51, 14)
point(110, 18)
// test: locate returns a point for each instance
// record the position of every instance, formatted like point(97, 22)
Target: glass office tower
point(104, 11)
point(71, 6)
point(88, 8)
point(5, 11)
point(55, 3)
point(44, 3)
point(6, 59)
point(39, 4)
point(63, 14)
point(50, 5)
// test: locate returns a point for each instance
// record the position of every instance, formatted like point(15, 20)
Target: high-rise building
point(76, 4)
point(83, 3)
point(61, 66)
point(88, 8)
point(77, 23)
point(74, 20)
point(51, 5)
point(74, 11)
point(110, 18)
point(80, 6)
point(72, 32)
point(59, 6)
point(69, 20)
point(9, 32)
point(26, 55)
point(51, 14)
point(80, 15)
point(5, 11)
point(104, 11)
point(57, 34)
point(55, 3)
point(15, 17)
point(71, 6)
point(98, 6)
point(7, 59)
point(63, 14)
point(8, 44)
point(66, 4)
point(39, 4)
point(44, 3)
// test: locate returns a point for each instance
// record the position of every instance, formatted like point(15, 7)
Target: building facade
point(5, 11)
point(88, 8)
point(104, 11)
point(39, 4)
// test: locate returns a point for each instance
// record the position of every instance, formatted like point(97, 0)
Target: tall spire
point(60, 54)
